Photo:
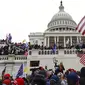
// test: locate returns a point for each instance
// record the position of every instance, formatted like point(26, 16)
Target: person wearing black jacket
point(82, 76)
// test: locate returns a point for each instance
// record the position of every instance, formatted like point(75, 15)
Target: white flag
point(67, 42)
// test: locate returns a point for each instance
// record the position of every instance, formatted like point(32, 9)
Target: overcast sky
point(20, 17)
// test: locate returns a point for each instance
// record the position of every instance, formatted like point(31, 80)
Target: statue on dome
point(61, 3)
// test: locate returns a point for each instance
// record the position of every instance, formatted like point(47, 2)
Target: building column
point(57, 40)
point(71, 40)
point(45, 41)
point(48, 42)
point(77, 39)
point(64, 41)
point(80, 39)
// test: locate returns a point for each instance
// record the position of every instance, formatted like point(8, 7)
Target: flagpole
point(3, 72)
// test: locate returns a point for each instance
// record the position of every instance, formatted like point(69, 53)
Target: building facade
point(61, 30)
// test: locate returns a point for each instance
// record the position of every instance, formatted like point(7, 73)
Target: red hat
point(41, 68)
point(7, 76)
point(70, 69)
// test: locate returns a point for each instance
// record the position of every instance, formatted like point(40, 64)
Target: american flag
point(82, 59)
point(20, 71)
point(81, 55)
point(81, 26)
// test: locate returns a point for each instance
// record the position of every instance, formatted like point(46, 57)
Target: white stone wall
point(36, 38)
point(69, 60)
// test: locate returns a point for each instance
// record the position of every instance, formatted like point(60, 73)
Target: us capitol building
point(61, 30)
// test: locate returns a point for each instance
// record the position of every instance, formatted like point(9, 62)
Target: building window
point(57, 22)
point(65, 22)
point(60, 22)
point(34, 63)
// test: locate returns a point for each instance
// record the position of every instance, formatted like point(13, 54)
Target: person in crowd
point(72, 78)
point(42, 71)
point(19, 81)
point(63, 80)
point(55, 80)
point(61, 67)
point(25, 81)
point(82, 76)
point(6, 80)
point(39, 79)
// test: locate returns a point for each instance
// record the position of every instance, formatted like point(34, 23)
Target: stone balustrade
point(16, 57)
point(51, 52)
point(39, 53)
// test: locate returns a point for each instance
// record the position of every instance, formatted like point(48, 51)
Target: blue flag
point(26, 44)
point(54, 48)
point(20, 71)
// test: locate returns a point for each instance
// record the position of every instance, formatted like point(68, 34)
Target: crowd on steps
point(44, 76)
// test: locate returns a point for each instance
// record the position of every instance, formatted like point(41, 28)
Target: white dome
point(61, 19)
point(61, 15)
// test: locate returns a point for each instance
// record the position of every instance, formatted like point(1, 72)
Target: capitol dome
point(61, 15)
point(61, 19)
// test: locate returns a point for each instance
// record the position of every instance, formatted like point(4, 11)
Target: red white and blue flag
point(81, 26)
point(81, 29)
point(82, 59)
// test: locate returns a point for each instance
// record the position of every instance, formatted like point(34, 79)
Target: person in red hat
point(20, 81)
point(6, 80)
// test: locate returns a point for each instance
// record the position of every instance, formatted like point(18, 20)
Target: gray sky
point(20, 17)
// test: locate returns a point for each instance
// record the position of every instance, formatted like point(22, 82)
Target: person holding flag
point(8, 38)
point(54, 48)
point(19, 80)
point(20, 71)
point(26, 69)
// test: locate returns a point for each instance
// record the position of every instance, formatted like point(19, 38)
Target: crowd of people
point(12, 48)
point(20, 48)
point(44, 76)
